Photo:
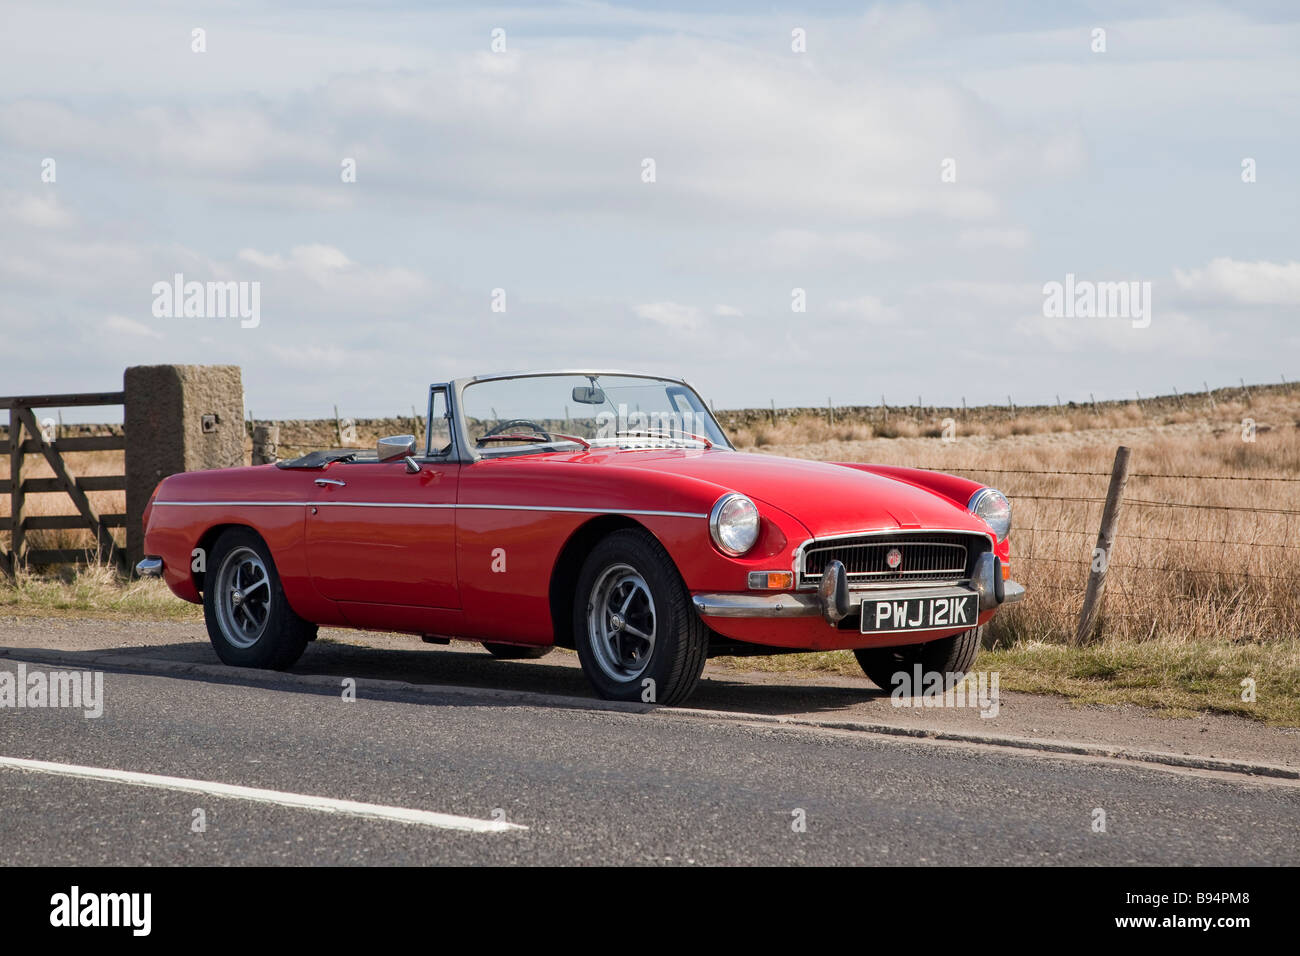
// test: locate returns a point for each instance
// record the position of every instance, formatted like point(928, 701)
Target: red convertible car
point(600, 511)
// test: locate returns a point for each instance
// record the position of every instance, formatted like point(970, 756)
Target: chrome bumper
point(834, 601)
point(149, 568)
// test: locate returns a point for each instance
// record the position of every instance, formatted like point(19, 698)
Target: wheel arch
point(209, 538)
point(568, 565)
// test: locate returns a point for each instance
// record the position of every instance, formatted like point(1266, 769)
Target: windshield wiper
point(536, 439)
point(659, 433)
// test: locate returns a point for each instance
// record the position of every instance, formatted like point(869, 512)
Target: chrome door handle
point(323, 482)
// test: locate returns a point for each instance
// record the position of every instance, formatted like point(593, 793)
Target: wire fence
point(1194, 555)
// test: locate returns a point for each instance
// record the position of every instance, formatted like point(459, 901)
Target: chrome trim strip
point(587, 511)
point(788, 604)
point(260, 504)
point(555, 372)
point(797, 557)
point(757, 605)
point(414, 504)
point(796, 560)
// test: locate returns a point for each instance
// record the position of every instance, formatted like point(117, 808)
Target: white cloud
point(328, 270)
point(797, 247)
point(866, 308)
point(121, 325)
point(42, 210)
point(1004, 238)
point(313, 356)
point(263, 260)
point(672, 315)
point(1243, 283)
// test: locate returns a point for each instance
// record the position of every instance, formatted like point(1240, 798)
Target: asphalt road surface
point(584, 784)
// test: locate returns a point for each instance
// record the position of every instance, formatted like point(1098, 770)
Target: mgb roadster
point(605, 512)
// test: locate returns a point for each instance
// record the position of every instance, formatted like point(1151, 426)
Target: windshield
point(545, 412)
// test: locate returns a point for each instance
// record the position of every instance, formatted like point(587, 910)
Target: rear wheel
point(637, 634)
point(517, 652)
point(249, 621)
point(952, 657)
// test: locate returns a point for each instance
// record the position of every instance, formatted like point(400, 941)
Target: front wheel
point(637, 634)
point(249, 621)
point(952, 657)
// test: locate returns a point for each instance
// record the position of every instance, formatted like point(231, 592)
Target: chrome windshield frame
point(457, 388)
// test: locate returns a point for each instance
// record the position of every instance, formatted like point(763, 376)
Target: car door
point(379, 534)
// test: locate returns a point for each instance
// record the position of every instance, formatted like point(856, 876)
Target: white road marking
point(374, 811)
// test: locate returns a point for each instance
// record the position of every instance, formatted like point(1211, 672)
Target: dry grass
point(92, 591)
point(80, 464)
point(1174, 678)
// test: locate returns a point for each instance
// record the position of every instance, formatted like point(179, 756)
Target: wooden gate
point(46, 442)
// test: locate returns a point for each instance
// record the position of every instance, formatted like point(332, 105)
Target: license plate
point(919, 613)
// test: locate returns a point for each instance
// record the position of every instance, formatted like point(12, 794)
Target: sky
point(788, 203)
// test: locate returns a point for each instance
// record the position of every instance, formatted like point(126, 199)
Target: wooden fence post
point(1101, 554)
point(17, 497)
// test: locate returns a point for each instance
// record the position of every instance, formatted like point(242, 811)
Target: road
point(586, 784)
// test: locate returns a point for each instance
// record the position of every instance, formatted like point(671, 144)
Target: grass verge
point(92, 591)
point(1172, 678)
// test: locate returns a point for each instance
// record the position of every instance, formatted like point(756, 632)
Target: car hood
point(827, 498)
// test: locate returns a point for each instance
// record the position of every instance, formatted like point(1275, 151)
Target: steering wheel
point(515, 423)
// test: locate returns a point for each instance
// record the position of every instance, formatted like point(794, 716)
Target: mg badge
point(894, 559)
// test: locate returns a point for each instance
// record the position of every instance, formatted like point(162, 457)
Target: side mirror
point(395, 446)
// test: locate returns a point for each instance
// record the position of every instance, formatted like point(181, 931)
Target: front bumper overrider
point(834, 601)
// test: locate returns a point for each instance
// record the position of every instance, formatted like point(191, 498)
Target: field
point(1202, 582)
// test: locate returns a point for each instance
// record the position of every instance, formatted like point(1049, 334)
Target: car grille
point(928, 557)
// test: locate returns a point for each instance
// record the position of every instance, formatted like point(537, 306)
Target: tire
point(629, 586)
point(951, 656)
point(517, 652)
point(247, 630)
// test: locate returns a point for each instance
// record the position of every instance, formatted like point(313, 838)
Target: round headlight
point(733, 522)
point(992, 505)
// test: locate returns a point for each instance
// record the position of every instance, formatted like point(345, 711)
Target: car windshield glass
point(545, 412)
